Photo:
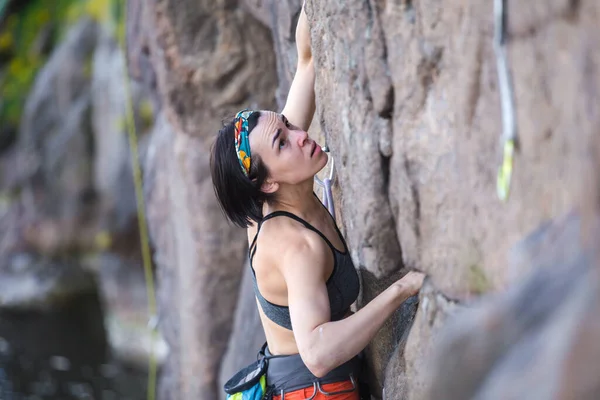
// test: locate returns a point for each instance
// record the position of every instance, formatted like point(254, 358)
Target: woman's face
point(289, 154)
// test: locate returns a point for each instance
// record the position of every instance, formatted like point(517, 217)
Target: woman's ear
point(269, 186)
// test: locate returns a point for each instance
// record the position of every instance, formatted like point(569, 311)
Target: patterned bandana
point(242, 144)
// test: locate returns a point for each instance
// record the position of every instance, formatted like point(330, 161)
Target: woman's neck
point(297, 199)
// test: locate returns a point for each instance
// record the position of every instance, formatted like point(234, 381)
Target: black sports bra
point(342, 286)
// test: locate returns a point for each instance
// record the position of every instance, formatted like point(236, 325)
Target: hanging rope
point(509, 125)
point(141, 215)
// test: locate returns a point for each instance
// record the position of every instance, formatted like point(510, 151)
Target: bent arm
point(300, 104)
point(323, 344)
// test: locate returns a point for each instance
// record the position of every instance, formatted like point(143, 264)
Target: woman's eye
point(281, 144)
point(287, 124)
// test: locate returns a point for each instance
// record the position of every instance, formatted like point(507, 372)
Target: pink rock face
point(529, 341)
point(207, 60)
point(408, 100)
point(408, 96)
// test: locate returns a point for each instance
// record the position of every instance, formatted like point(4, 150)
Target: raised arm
point(300, 104)
point(323, 344)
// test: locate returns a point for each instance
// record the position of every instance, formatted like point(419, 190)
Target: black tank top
point(342, 286)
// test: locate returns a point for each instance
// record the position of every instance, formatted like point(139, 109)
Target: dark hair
point(239, 195)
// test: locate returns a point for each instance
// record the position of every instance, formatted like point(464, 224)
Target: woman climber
point(263, 165)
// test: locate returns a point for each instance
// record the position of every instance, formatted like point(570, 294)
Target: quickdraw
point(327, 184)
point(509, 125)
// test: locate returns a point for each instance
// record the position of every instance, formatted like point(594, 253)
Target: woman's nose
point(302, 137)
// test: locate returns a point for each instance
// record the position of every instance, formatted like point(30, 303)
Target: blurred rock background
point(408, 101)
point(73, 317)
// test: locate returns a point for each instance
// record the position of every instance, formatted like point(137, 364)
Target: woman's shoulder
point(284, 235)
point(293, 249)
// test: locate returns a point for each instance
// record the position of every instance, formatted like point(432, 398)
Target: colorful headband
point(242, 144)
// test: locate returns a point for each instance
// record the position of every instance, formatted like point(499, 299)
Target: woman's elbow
point(316, 364)
point(306, 67)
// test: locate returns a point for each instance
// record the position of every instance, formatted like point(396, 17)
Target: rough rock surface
point(537, 340)
point(408, 100)
point(408, 97)
point(209, 59)
point(199, 271)
point(247, 335)
point(281, 17)
point(405, 372)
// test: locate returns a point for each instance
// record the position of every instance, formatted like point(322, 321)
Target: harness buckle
point(317, 388)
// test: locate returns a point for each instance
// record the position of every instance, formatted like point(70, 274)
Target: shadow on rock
point(538, 340)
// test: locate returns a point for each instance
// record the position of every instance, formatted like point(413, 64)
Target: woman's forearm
point(303, 39)
point(300, 104)
point(334, 343)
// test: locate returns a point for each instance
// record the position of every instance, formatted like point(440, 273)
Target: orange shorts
point(332, 388)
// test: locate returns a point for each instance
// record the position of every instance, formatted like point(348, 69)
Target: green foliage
point(28, 37)
point(107, 12)
point(24, 41)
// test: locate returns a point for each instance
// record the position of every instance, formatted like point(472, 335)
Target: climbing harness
point(141, 216)
point(317, 388)
point(509, 126)
point(326, 184)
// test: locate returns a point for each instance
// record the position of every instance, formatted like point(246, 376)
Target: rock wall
point(408, 96)
point(408, 100)
point(534, 340)
point(207, 60)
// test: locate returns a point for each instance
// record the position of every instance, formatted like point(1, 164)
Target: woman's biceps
point(309, 309)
